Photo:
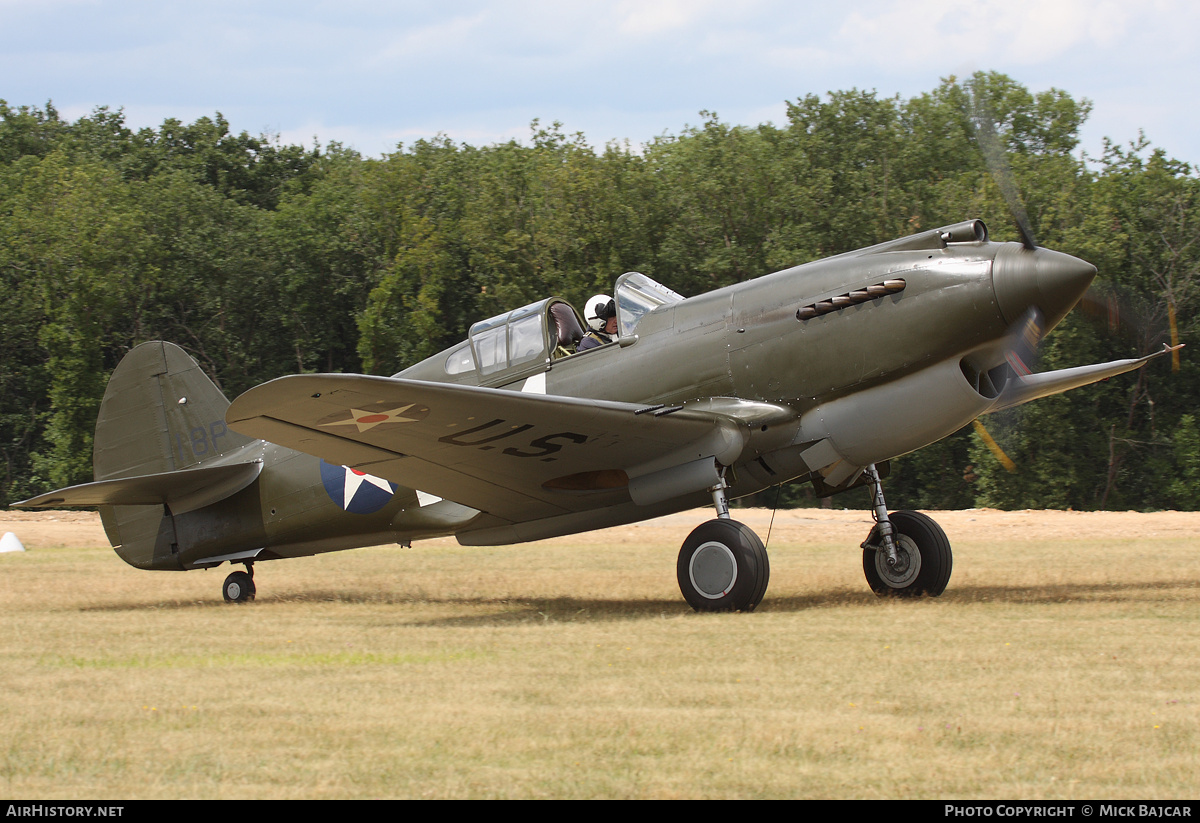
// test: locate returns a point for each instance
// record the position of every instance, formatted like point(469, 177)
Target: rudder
point(160, 413)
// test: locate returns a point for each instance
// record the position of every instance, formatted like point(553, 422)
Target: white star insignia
point(355, 479)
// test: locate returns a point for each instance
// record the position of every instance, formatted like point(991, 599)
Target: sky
point(375, 74)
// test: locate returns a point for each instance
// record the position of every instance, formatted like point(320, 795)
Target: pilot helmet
point(598, 309)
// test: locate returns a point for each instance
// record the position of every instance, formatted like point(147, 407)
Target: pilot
point(601, 315)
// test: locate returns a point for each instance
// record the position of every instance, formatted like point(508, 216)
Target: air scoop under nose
point(1050, 280)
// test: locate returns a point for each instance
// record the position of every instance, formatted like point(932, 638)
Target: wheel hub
point(906, 568)
point(713, 570)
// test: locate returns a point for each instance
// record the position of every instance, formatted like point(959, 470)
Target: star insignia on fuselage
point(356, 491)
point(366, 420)
point(355, 479)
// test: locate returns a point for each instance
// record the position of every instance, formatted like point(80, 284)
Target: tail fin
point(160, 413)
point(160, 440)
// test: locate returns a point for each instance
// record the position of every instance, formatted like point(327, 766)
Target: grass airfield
point(1062, 662)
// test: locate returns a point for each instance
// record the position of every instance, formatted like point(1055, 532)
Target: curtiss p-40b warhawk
point(821, 372)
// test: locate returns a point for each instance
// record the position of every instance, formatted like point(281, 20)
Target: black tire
point(723, 567)
point(925, 559)
point(238, 588)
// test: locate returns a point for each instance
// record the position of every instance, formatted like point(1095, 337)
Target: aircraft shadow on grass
point(577, 609)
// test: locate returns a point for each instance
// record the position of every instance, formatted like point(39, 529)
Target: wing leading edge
point(1044, 384)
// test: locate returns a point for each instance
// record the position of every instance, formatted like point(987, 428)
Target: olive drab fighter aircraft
point(817, 373)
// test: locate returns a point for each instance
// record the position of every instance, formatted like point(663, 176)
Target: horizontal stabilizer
point(1031, 387)
point(184, 490)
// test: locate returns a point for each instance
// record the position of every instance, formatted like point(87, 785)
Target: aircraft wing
point(1044, 384)
point(517, 456)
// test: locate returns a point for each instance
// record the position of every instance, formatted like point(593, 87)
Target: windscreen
point(636, 295)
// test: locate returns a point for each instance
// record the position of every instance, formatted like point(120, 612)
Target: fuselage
point(299, 506)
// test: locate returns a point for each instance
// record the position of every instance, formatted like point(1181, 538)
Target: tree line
point(263, 259)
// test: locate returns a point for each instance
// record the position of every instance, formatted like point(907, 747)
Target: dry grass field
point(1062, 662)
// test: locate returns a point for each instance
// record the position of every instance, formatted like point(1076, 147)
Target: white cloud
point(1017, 32)
point(642, 18)
point(373, 74)
point(427, 42)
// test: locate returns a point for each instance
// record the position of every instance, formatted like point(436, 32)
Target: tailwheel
point(239, 587)
point(723, 567)
point(923, 559)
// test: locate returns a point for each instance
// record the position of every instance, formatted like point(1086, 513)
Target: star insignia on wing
point(367, 420)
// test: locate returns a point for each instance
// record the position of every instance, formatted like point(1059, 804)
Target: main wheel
point(238, 588)
point(923, 559)
point(723, 567)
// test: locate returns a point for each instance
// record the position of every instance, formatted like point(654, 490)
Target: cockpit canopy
point(512, 339)
point(524, 341)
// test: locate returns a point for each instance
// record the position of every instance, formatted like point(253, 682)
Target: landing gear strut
point(906, 554)
point(723, 565)
point(239, 586)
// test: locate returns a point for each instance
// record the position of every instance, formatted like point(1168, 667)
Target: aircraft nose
point(1048, 279)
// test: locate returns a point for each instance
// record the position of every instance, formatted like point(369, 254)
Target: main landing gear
point(907, 553)
point(239, 586)
point(723, 565)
